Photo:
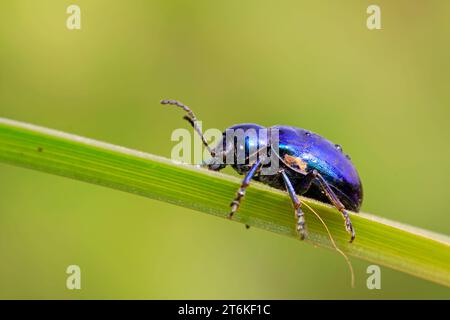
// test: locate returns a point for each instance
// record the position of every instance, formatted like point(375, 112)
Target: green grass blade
point(417, 252)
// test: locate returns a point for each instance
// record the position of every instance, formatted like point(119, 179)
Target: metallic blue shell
point(311, 151)
point(328, 159)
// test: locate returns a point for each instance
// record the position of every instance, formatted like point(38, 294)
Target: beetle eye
point(338, 147)
point(307, 133)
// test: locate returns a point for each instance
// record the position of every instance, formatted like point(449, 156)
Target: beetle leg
point(297, 205)
point(245, 183)
point(338, 204)
point(192, 119)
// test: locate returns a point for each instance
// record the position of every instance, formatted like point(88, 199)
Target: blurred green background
point(384, 95)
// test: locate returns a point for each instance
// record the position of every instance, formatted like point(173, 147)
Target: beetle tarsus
point(349, 227)
point(301, 223)
point(234, 207)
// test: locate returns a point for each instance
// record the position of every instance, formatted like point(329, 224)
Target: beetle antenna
point(192, 119)
point(350, 267)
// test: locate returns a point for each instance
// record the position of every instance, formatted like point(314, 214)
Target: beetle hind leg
point(338, 204)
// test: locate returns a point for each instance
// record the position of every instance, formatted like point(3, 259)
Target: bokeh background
point(384, 95)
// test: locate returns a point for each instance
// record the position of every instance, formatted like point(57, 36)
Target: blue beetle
point(310, 165)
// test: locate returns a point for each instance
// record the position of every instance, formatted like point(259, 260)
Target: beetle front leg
point(241, 192)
